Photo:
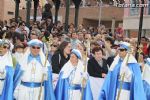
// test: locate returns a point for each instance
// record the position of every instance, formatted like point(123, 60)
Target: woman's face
point(55, 39)
point(141, 58)
point(20, 50)
point(73, 59)
point(3, 49)
point(33, 35)
point(35, 25)
point(53, 48)
point(35, 50)
point(98, 55)
point(67, 49)
point(80, 48)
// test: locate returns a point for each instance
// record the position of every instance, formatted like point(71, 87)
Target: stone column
point(113, 26)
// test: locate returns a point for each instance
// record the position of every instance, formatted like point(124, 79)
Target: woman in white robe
point(70, 84)
point(6, 71)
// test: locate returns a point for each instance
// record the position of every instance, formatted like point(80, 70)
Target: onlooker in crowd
point(34, 34)
point(19, 50)
point(21, 28)
point(61, 56)
point(81, 37)
point(52, 50)
point(83, 51)
point(97, 66)
point(119, 35)
point(145, 44)
point(74, 40)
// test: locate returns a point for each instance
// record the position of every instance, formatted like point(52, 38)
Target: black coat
point(95, 70)
point(58, 60)
point(110, 60)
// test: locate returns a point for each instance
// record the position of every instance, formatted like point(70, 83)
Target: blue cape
point(109, 89)
point(7, 93)
point(62, 87)
point(146, 89)
point(48, 86)
point(147, 86)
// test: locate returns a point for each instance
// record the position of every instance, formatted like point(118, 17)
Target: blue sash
point(125, 85)
point(2, 79)
point(75, 87)
point(31, 84)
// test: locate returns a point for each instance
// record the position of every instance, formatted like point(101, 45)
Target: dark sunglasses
point(54, 45)
point(122, 50)
point(5, 47)
point(33, 47)
point(22, 47)
point(33, 34)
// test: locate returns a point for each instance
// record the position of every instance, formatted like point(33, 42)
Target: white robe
point(5, 60)
point(32, 73)
point(125, 94)
point(2, 76)
point(75, 75)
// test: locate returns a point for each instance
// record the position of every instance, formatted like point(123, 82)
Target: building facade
point(132, 17)
point(7, 9)
point(90, 13)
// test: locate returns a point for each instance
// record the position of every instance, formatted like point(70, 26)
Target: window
point(10, 13)
point(134, 10)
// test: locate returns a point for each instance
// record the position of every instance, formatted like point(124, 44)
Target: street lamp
point(100, 12)
point(140, 28)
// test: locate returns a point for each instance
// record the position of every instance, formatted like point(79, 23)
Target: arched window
point(133, 9)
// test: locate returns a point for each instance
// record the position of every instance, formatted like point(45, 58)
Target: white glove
point(1, 70)
point(84, 79)
point(85, 75)
point(127, 72)
point(44, 70)
point(2, 73)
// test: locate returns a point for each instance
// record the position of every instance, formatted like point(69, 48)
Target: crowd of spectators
point(101, 50)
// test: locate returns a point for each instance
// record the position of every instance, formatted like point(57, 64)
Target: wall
point(1, 9)
point(91, 13)
point(9, 5)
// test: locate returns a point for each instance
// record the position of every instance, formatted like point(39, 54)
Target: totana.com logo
point(123, 4)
